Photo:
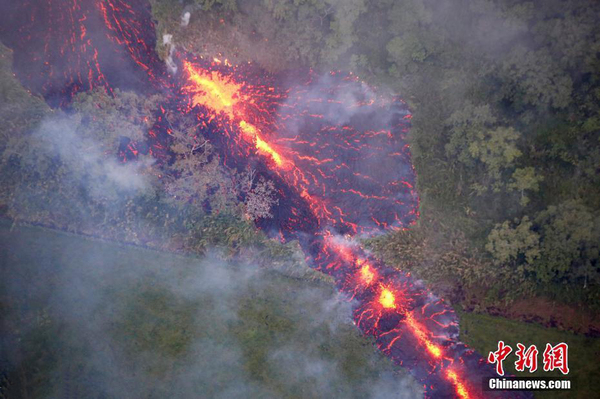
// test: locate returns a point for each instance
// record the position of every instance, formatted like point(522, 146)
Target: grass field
point(83, 318)
point(88, 318)
point(482, 332)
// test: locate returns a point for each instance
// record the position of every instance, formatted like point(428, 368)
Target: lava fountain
point(335, 149)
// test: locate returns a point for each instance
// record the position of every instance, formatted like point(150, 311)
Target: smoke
point(389, 386)
point(352, 144)
point(185, 18)
point(338, 106)
point(127, 322)
point(68, 175)
point(58, 136)
point(169, 61)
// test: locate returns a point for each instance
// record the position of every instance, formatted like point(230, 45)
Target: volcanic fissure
point(335, 149)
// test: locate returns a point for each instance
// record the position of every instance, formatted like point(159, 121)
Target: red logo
point(555, 357)
point(527, 358)
point(499, 356)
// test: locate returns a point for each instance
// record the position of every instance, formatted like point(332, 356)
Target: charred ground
point(209, 185)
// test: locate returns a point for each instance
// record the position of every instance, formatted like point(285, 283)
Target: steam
point(337, 106)
point(359, 134)
point(109, 285)
point(170, 62)
point(185, 18)
point(99, 173)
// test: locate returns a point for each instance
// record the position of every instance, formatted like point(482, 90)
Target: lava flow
point(65, 47)
point(334, 148)
point(337, 153)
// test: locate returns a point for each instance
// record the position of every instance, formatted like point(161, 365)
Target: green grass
point(88, 318)
point(169, 325)
point(482, 332)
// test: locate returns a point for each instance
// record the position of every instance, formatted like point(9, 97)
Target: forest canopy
point(503, 104)
point(505, 138)
point(506, 119)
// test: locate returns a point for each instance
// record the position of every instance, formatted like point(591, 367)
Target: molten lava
point(422, 335)
point(213, 90)
point(334, 148)
point(367, 275)
point(461, 390)
point(387, 299)
point(221, 95)
point(261, 145)
point(338, 177)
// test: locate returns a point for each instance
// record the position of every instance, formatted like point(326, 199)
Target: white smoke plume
point(185, 18)
point(84, 157)
point(168, 42)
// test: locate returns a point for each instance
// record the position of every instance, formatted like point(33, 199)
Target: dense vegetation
point(67, 170)
point(505, 141)
point(506, 123)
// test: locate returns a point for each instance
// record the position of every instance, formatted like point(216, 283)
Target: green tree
point(525, 179)
point(344, 14)
point(195, 178)
point(476, 140)
point(514, 243)
point(406, 52)
point(560, 245)
point(532, 78)
point(570, 244)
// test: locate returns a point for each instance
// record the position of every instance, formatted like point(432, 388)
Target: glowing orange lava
point(318, 158)
point(366, 274)
point(387, 299)
point(222, 96)
point(213, 90)
point(421, 334)
point(461, 390)
point(261, 145)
